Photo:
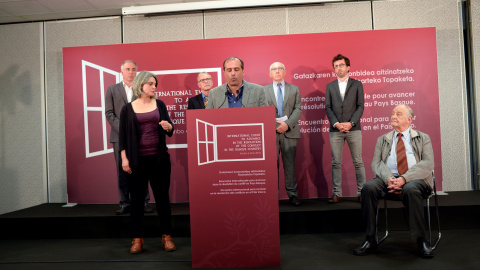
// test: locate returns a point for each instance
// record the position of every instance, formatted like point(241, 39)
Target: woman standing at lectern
point(143, 126)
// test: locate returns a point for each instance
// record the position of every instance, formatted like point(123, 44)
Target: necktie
point(280, 100)
point(206, 101)
point(402, 164)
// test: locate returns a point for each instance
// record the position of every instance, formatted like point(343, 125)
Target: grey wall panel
point(445, 15)
point(22, 157)
point(475, 12)
point(61, 34)
point(330, 18)
point(246, 23)
point(163, 28)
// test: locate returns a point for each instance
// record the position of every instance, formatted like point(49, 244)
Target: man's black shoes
point(366, 248)
point(425, 249)
point(294, 201)
point(124, 209)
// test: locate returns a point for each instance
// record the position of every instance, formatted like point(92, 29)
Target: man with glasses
point(288, 107)
point(205, 84)
point(344, 103)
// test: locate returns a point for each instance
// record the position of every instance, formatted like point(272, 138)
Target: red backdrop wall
point(395, 66)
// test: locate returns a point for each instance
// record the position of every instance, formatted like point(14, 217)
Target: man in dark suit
point(205, 84)
point(344, 103)
point(403, 166)
point(118, 95)
point(236, 93)
point(286, 99)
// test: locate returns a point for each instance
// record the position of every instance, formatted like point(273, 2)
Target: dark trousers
point(156, 169)
point(288, 148)
point(123, 191)
point(412, 196)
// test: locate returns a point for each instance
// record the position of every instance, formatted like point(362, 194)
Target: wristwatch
point(353, 124)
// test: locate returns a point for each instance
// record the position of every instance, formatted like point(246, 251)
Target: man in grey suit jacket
point(118, 95)
point(403, 166)
point(286, 99)
point(344, 103)
point(236, 93)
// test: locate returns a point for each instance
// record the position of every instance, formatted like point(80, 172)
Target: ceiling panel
point(24, 7)
point(62, 5)
point(109, 4)
point(12, 11)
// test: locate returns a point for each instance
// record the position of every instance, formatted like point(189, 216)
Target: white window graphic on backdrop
point(90, 130)
point(232, 142)
point(101, 109)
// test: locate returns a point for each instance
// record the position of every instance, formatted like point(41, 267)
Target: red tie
point(402, 164)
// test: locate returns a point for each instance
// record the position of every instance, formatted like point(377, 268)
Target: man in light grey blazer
point(344, 103)
point(118, 95)
point(236, 92)
point(288, 108)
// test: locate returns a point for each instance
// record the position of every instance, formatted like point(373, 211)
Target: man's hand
point(395, 185)
point(344, 127)
point(282, 127)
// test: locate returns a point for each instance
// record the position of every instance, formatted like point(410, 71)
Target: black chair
point(433, 194)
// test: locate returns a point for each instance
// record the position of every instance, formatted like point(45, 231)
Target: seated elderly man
point(403, 166)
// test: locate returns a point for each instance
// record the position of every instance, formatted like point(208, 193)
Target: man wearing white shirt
point(118, 95)
point(286, 99)
point(403, 166)
point(344, 103)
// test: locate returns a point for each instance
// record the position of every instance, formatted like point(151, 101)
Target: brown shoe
point(137, 245)
point(335, 199)
point(168, 243)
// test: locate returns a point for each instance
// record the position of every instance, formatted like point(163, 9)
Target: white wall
point(31, 51)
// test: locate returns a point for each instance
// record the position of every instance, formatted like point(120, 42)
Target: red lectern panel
point(233, 187)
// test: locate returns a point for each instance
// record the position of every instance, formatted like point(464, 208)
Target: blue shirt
point(203, 96)
point(392, 159)
point(235, 102)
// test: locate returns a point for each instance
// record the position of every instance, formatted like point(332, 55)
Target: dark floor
point(316, 235)
point(459, 249)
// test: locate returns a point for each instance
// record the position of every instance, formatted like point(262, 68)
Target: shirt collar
point(275, 84)
point(125, 85)
point(405, 133)
point(346, 80)
point(240, 93)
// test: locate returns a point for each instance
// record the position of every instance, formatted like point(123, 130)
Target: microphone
point(226, 95)
point(238, 91)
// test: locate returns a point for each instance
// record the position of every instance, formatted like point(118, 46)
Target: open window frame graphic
point(211, 144)
point(87, 108)
point(101, 108)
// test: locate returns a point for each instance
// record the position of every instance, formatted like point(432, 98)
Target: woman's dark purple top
point(148, 124)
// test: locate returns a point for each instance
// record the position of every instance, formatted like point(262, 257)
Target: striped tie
point(402, 164)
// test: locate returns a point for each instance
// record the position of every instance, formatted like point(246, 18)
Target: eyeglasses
point(205, 80)
point(339, 65)
point(279, 69)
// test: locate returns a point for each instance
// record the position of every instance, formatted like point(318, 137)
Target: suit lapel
point(123, 92)
point(271, 94)
point(349, 83)
point(245, 95)
point(286, 94)
point(222, 97)
point(200, 100)
point(337, 90)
